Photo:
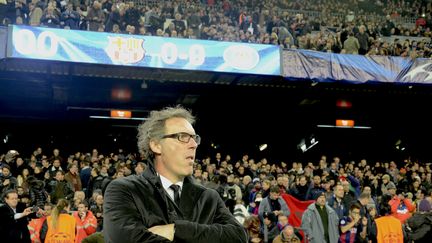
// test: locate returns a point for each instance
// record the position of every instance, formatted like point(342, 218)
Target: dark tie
point(176, 189)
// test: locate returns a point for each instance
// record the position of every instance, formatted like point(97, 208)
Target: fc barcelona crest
point(125, 50)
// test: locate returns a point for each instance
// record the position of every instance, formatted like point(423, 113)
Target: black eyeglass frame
point(184, 137)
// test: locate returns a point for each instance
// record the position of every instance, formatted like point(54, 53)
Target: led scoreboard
point(142, 51)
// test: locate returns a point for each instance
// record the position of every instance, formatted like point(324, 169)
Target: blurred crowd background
point(43, 178)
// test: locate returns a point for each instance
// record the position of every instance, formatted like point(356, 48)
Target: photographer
point(401, 207)
point(273, 203)
point(232, 193)
point(14, 219)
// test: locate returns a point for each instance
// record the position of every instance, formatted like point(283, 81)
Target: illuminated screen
point(143, 51)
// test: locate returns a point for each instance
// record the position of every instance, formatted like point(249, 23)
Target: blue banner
point(419, 72)
point(329, 67)
point(143, 51)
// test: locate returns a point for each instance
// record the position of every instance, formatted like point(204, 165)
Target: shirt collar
point(167, 183)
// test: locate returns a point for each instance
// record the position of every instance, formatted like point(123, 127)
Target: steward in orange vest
point(387, 229)
point(34, 226)
point(60, 226)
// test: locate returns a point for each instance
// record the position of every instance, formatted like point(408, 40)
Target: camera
point(232, 193)
point(35, 209)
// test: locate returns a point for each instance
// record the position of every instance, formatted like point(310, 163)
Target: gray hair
point(154, 127)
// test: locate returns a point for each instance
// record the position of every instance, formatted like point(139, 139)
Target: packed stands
point(244, 182)
point(83, 176)
point(397, 28)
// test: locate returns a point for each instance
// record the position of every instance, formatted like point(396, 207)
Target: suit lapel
point(171, 210)
point(161, 195)
point(189, 197)
point(12, 212)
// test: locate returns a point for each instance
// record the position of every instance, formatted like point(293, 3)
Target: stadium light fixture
point(262, 147)
point(306, 145)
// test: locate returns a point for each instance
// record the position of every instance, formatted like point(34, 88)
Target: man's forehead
point(177, 123)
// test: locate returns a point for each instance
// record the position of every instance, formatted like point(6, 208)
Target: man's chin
point(188, 173)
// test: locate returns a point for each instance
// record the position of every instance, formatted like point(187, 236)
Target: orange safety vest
point(86, 227)
point(389, 230)
point(34, 226)
point(65, 231)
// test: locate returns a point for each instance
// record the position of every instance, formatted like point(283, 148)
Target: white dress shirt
point(166, 185)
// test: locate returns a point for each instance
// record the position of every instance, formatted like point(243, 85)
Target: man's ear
point(156, 147)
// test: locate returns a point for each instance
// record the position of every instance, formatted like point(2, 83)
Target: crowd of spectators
point(353, 27)
point(252, 190)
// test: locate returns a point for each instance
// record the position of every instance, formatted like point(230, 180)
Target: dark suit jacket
point(136, 203)
point(85, 177)
point(12, 230)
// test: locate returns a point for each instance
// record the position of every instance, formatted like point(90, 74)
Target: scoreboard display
point(142, 51)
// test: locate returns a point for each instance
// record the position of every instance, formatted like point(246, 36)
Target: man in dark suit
point(164, 204)
point(85, 174)
point(13, 219)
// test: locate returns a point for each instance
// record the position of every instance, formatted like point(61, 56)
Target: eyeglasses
point(184, 137)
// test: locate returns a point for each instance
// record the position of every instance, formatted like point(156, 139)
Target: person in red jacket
point(401, 207)
point(86, 222)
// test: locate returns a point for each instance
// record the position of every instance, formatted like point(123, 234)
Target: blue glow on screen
point(145, 51)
